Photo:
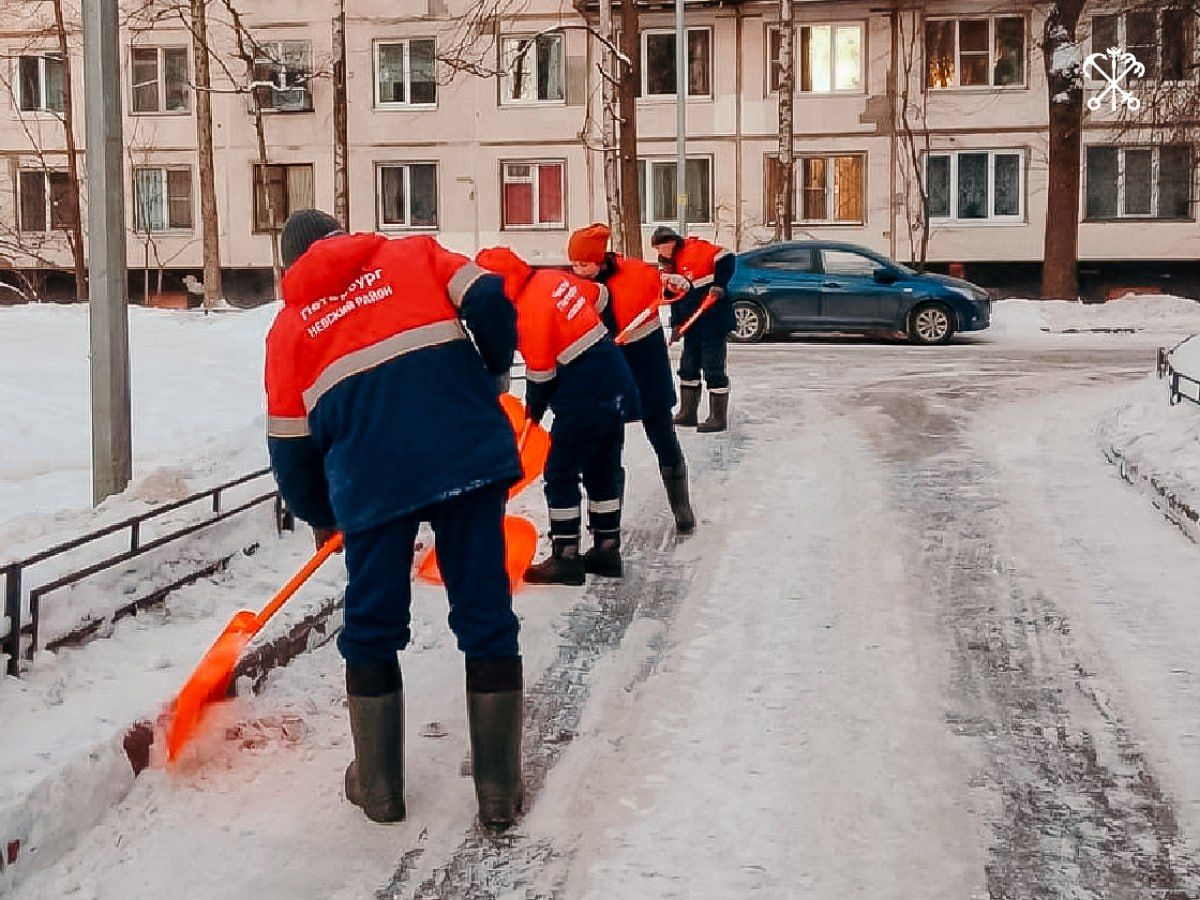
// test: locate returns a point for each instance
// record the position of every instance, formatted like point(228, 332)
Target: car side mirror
point(886, 276)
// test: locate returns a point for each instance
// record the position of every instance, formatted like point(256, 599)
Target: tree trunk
point(75, 228)
point(631, 212)
point(341, 122)
point(209, 222)
point(608, 135)
point(785, 191)
point(1065, 83)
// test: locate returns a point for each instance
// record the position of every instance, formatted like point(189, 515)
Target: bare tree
point(1064, 76)
point(627, 94)
point(74, 228)
point(785, 185)
point(341, 120)
point(608, 126)
point(915, 140)
point(210, 227)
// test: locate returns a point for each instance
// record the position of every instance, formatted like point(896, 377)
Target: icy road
point(924, 644)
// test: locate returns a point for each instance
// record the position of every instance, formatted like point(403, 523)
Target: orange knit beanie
point(589, 244)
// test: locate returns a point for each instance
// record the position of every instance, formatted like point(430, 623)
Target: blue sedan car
point(830, 286)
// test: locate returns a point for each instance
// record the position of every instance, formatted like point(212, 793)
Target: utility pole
point(112, 464)
point(681, 86)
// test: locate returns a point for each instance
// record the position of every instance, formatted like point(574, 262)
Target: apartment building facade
point(954, 89)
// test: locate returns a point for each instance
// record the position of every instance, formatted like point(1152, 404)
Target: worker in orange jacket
point(573, 369)
point(630, 310)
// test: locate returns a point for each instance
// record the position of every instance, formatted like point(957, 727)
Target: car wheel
point(750, 322)
point(931, 323)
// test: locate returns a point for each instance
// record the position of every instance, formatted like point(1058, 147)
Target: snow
point(780, 729)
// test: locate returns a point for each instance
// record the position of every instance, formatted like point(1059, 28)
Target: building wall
point(469, 134)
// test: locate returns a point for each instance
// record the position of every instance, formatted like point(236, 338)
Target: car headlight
point(965, 293)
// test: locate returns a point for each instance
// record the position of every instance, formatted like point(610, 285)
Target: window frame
point(1155, 185)
point(505, 76)
point(255, 168)
point(643, 40)
point(645, 165)
point(535, 165)
point(830, 188)
point(991, 19)
point(165, 170)
point(1123, 41)
point(161, 81)
point(775, 28)
point(406, 42)
point(991, 219)
point(48, 210)
point(42, 57)
point(406, 165)
point(305, 83)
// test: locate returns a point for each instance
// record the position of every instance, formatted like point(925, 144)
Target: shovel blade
point(210, 680)
point(520, 545)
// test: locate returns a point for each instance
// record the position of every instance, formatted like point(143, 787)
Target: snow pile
point(1015, 319)
point(1133, 313)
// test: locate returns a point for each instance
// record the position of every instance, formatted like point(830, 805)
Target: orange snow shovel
point(212, 675)
point(704, 306)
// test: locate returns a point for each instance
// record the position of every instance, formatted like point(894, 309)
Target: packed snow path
point(925, 643)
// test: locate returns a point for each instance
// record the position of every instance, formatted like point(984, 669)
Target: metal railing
point(1179, 386)
point(21, 627)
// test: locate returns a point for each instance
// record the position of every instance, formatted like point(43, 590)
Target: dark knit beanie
point(302, 229)
point(664, 234)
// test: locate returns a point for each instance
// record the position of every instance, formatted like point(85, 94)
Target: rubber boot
point(604, 557)
point(718, 409)
point(494, 715)
point(563, 566)
point(689, 405)
point(675, 480)
point(375, 779)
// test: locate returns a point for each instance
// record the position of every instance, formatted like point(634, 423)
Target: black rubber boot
point(563, 566)
point(675, 480)
point(494, 715)
point(375, 779)
point(604, 557)
point(689, 405)
point(718, 409)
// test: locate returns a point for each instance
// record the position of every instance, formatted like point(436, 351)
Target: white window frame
point(506, 75)
point(42, 56)
point(958, 68)
point(775, 29)
point(407, 165)
point(535, 181)
point(264, 183)
point(1155, 185)
point(47, 200)
point(643, 40)
point(283, 84)
point(1123, 39)
point(830, 189)
point(405, 42)
point(164, 181)
point(991, 218)
point(646, 164)
point(161, 72)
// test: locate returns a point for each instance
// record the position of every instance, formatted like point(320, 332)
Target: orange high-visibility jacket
point(634, 287)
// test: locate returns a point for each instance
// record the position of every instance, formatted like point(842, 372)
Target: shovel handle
point(331, 546)
point(638, 321)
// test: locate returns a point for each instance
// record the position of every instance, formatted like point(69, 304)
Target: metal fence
point(1180, 387)
point(24, 617)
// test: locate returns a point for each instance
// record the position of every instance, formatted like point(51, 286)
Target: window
point(828, 189)
point(41, 83)
point(404, 73)
point(828, 58)
point(657, 192)
point(1139, 182)
point(407, 195)
point(658, 63)
point(975, 185)
point(162, 199)
point(975, 52)
point(282, 72)
point(849, 263)
point(47, 203)
point(532, 74)
point(789, 259)
point(1162, 40)
point(160, 79)
point(533, 194)
point(289, 188)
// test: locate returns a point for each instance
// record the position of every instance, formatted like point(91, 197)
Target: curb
point(36, 829)
point(1184, 517)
